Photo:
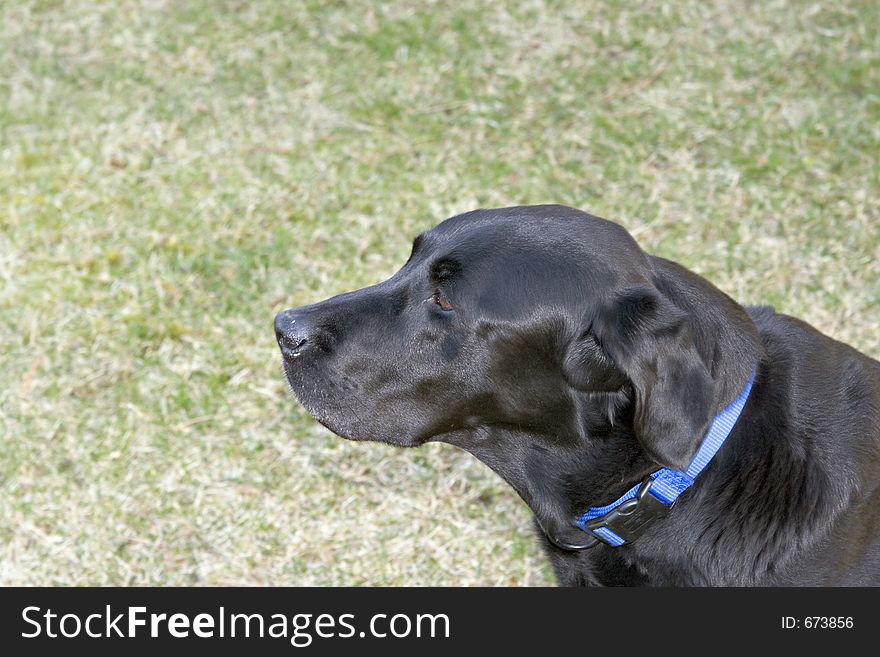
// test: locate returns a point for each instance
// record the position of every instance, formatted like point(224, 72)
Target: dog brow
point(444, 269)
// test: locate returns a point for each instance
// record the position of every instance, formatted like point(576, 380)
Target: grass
point(174, 173)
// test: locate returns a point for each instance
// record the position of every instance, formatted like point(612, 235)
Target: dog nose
point(292, 333)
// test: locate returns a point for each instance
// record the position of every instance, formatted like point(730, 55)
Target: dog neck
point(702, 540)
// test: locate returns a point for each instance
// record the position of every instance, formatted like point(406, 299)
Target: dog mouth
point(349, 419)
point(317, 395)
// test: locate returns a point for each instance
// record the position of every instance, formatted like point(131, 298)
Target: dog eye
point(440, 301)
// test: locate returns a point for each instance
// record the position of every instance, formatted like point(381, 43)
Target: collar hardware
point(631, 519)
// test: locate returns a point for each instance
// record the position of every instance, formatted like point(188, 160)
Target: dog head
point(522, 334)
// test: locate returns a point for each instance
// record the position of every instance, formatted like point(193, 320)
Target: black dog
point(545, 342)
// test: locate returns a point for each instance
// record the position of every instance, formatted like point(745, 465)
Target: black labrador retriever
point(586, 372)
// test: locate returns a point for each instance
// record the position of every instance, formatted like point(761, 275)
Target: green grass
point(174, 173)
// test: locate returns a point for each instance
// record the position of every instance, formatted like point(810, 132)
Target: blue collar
point(627, 518)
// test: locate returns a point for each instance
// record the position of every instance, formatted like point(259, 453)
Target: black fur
point(545, 342)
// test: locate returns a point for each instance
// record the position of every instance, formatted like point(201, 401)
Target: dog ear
point(685, 360)
point(650, 340)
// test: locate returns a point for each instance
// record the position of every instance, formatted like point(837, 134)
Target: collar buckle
point(631, 518)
